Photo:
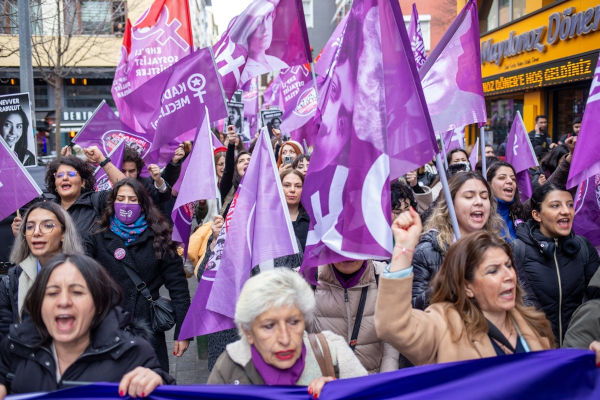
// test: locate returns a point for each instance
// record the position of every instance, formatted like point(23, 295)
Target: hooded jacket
point(111, 353)
point(556, 271)
point(86, 210)
point(426, 262)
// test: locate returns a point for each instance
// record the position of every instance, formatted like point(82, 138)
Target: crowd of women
point(80, 301)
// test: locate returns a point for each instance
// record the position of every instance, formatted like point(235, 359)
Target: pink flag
point(260, 229)
point(17, 187)
point(586, 162)
point(451, 76)
point(474, 156)
point(161, 37)
point(116, 158)
point(267, 36)
point(520, 154)
point(199, 182)
point(416, 37)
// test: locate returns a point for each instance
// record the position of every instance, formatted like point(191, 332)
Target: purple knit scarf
point(275, 376)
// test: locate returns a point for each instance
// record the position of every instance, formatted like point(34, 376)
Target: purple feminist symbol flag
point(272, 95)
point(267, 36)
point(416, 37)
point(587, 210)
point(199, 182)
point(586, 162)
point(17, 187)
point(173, 102)
point(520, 154)
point(161, 37)
point(260, 230)
point(105, 130)
point(474, 156)
point(326, 59)
point(346, 191)
point(116, 157)
point(454, 139)
point(451, 76)
point(299, 97)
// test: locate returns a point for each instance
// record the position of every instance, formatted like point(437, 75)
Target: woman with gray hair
point(271, 314)
point(47, 230)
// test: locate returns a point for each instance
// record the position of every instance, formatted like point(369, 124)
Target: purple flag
point(199, 182)
point(299, 97)
point(586, 162)
point(267, 36)
point(325, 60)
point(173, 102)
point(250, 98)
point(587, 210)
point(346, 190)
point(161, 37)
point(272, 96)
point(260, 229)
point(116, 157)
point(17, 187)
point(454, 139)
point(416, 38)
point(451, 76)
point(412, 143)
point(474, 156)
point(520, 154)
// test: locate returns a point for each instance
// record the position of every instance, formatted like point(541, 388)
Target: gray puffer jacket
point(426, 262)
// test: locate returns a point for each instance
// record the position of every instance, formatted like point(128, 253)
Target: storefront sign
point(77, 116)
point(553, 73)
point(562, 26)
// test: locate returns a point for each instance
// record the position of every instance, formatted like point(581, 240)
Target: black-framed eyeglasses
point(61, 174)
point(44, 227)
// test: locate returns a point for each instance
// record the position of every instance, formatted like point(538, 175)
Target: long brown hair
point(458, 268)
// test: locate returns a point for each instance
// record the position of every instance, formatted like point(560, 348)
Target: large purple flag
point(272, 95)
point(17, 187)
point(116, 157)
point(586, 159)
point(173, 102)
point(412, 143)
point(474, 156)
point(451, 76)
point(260, 229)
point(326, 59)
point(346, 191)
point(267, 36)
point(299, 97)
point(520, 154)
point(416, 37)
point(250, 98)
point(587, 210)
point(199, 182)
point(161, 37)
point(454, 139)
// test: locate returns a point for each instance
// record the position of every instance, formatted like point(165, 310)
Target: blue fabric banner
point(555, 374)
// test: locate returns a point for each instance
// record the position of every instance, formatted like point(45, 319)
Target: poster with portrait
point(17, 129)
point(271, 118)
point(235, 110)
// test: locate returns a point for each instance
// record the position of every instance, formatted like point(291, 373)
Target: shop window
point(501, 114)
point(308, 13)
point(9, 17)
point(93, 17)
point(41, 96)
point(495, 13)
point(425, 22)
point(87, 93)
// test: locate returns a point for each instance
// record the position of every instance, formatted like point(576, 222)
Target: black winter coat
point(86, 210)
point(9, 309)
point(112, 352)
point(426, 262)
point(154, 272)
point(555, 271)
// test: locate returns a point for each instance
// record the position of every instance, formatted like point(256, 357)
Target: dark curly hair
point(162, 245)
point(400, 192)
point(83, 168)
point(516, 210)
point(131, 155)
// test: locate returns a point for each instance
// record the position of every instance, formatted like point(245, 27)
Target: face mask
point(127, 213)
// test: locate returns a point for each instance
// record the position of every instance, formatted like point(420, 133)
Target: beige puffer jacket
point(336, 311)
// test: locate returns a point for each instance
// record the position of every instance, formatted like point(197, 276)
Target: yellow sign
point(567, 29)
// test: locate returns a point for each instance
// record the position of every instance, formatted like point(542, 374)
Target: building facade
point(537, 57)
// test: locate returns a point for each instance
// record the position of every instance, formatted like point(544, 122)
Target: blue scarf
point(129, 233)
point(509, 233)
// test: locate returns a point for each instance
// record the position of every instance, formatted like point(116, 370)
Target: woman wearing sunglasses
point(47, 230)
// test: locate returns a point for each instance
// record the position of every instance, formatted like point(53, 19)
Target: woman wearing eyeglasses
point(47, 230)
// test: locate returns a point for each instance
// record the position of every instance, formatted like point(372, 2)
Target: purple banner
point(116, 158)
point(160, 38)
point(267, 36)
point(416, 37)
point(260, 229)
point(451, 76)
point(173, 102)
point(299, 97)
point(519, 152)
point(199, 182)
point(17, 187)
point(454, 139)
point(587, 210)
point(325, 60)
point(585, 162)
point(250, 98)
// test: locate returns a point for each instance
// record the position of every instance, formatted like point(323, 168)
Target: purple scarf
point(275, 376)
point(348, 281)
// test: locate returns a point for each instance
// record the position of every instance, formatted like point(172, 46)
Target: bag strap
point(312, 338)
point(495, 334)
point(322, 354)
point(140, 285)
point(359, 315)
point(329, 370)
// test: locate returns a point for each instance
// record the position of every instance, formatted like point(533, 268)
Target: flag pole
point(443, 145)
point(482, 145)
point(447, 194)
